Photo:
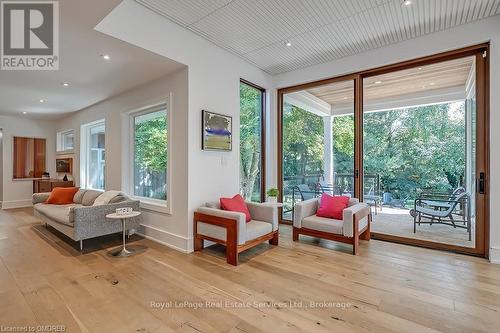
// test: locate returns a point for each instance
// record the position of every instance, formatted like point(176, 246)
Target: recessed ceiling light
point(42, 100)
point(24, 112)
point(105, 56)
point(378, 82)
point(432, 83)
point(288, 44)
point(420, 68)
point(65, 84)
point(407, 2)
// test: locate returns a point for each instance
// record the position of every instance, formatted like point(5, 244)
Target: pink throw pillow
point(332, 207)
point(236, 204)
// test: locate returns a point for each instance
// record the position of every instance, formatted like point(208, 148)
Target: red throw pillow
point(236, 204)
point(62, 195)
point(332, 207)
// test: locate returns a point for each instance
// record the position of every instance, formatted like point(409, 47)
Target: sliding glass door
point(419, 148)
point(408, 139)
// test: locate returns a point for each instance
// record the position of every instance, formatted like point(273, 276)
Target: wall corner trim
point(17, 204)
point(176, 242)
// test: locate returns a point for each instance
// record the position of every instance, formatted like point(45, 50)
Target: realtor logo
point(30, 35)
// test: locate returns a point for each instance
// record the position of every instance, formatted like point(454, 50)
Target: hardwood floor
point(44, 280)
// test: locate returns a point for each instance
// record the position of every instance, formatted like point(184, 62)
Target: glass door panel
point(419, 144)
point(317, 143)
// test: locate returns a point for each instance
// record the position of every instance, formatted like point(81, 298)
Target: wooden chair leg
point(295, 235)
point(232, 254)
point(275, 239)
point(355, 245)
point(367, 233)
point(232, 245)
point(198, 244)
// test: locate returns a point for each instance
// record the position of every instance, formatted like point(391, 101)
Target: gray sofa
point(80, 220)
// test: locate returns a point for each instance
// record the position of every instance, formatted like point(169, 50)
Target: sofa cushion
point(79, 196)
point(90, 196)
point(118, 198)
point(62, 195)
point(323, 224)
point(59, 213)
point(256, 229)
point(212, 204)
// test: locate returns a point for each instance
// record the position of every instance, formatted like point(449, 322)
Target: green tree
point(250, 136)
point(412, 149)
point(151, 155)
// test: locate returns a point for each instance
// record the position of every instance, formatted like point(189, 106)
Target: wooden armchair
point(231, 229)
point(354, 226)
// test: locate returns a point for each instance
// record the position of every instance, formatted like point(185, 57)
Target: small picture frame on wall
point(217, 131)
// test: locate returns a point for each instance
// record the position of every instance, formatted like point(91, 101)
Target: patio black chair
point(389, 200)
point(436, 215)
point(305, 192)
point(324, 187)
point(443, 201)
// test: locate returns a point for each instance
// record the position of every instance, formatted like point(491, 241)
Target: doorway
point(408, 139)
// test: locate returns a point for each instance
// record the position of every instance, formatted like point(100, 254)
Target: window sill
point(154, 205)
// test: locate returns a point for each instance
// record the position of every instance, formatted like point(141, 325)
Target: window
point(65, 141)
point(148, 175)
point(252, 142)
point(93, 155)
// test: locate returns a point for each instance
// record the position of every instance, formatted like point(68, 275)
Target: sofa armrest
point(304, 209)
point(240, 218)
point(264, 213)
point(353, 213)
point(40, 197)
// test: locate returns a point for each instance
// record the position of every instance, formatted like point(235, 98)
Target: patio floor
point(398, 222)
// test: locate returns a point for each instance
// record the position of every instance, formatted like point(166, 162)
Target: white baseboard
point(17, 204)
point(166, 238)
point(495, 255)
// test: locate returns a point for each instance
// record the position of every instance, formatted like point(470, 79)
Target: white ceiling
point(91, 78)
point(319, 30)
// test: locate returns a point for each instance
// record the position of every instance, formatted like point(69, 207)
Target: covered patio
point(448, 83)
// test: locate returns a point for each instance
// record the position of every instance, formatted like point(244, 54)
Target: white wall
point(171, 228)
point(214, 76)
point(470, 34)
point(18, 193)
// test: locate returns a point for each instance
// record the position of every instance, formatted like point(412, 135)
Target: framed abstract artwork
point(217, 131)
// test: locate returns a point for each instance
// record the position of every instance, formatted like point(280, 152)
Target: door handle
point(481, 183)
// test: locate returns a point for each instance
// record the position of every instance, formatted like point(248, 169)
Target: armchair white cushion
point(305, 215)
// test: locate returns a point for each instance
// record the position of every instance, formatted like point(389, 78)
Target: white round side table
point(123, 251)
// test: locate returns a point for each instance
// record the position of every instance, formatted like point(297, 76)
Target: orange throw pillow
point(62, 195)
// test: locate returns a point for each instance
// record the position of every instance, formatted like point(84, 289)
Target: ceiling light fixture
point(24, 112)
point(420, 68)
point(288, 44)
point(378, 82)
point(42, 100)
point(105, 56)
point(407, 2)
point(65, 84)
point(432, 83)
